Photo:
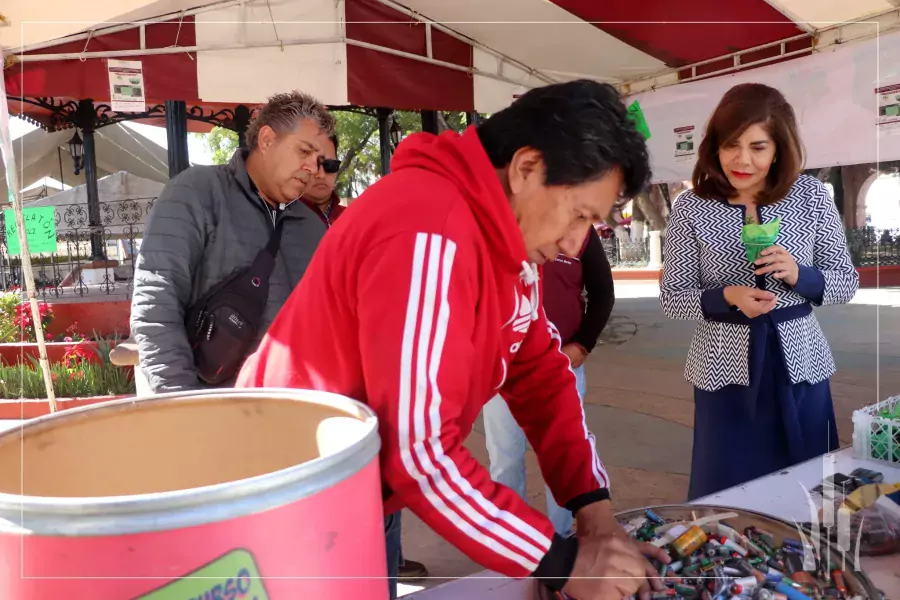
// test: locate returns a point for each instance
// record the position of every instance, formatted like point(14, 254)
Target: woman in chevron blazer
point(758, 361)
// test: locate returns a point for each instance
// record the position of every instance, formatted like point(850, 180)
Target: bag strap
point(272, 247)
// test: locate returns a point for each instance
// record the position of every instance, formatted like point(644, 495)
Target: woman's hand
point(751, 301)
point(780, 263)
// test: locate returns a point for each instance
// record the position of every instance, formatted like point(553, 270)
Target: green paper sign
point(40, 227)
point(640, 122)
point(232, 576)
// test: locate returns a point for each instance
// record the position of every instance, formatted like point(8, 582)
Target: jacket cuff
point(810, 284)
point(582, 346)
point(579, 502)
point(584, 340)
point(713, 302)
point(556, 566)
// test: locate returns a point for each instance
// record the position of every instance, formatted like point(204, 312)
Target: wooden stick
point(16, 198)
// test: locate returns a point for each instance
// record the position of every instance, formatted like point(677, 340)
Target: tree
point(360, 150)
point(358, 145)
point(221, 143)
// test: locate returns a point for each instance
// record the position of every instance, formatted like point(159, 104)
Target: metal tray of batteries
point(828, 558)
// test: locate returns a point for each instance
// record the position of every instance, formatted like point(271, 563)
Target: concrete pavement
point(641, 409)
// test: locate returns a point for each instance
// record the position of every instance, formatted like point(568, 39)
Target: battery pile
point(713, 561)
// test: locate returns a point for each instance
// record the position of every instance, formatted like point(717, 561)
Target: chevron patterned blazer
point(703, 251)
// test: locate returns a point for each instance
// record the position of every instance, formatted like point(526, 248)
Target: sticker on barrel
point(231, 577)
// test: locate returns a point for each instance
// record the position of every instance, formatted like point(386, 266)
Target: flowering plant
point(73, 335)
point(25, 322)
point(76, 355)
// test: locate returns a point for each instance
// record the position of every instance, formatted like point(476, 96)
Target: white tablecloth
point(780, 494)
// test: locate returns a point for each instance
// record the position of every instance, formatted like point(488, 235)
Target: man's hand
point(596, 525)
point(576, 354)
point(751, 301)
point(597, 520)
point(611, 567)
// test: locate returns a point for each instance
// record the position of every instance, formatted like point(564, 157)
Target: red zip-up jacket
point(420, 302)
point(336, 209)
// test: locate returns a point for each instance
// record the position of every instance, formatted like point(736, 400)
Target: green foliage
point(221, 143)
point(80, 379)
point(360, 151)
point(9, 331)
point(358, 142)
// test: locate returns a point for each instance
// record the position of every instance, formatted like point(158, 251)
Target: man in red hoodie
point(424, 300)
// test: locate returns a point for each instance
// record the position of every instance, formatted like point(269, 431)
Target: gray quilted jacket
point(207, 223)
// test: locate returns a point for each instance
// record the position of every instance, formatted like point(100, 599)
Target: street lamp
point(76, 149)
point(395, 132)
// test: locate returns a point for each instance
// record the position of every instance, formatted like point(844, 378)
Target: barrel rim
point(96, 514)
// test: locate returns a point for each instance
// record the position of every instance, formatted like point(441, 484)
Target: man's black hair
point(334, 140)
point(580, 127)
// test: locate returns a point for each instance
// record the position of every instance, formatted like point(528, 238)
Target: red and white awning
point(475, 55)
point(424, 54)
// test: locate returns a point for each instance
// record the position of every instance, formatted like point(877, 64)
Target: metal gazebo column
point(384, 138)
point(430, 121)
point(85, 120)
point(242, 117)
point(177, 136)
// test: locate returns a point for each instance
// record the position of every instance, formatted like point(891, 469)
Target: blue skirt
point(742, 433)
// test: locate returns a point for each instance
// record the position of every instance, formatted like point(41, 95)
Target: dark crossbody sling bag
point(223, 323)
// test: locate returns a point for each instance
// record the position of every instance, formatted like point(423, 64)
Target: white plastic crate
point(877, 438)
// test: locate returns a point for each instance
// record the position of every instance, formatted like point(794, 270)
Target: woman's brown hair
point(742, 106)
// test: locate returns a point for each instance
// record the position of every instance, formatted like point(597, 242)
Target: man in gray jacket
point(211, 221)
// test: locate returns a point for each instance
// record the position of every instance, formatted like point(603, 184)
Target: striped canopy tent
point(465, 55)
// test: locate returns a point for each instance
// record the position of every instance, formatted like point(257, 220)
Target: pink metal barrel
point(220, 495)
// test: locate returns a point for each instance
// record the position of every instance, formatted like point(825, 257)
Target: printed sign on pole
point(889, 105)
point(126, 86)
point(685, 144)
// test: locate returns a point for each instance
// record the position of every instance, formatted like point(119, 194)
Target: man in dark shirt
point(319, 194)
point(579, 321)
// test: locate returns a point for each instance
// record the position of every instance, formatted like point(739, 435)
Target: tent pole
point(16, 199)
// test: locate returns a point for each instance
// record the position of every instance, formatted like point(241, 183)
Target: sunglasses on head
point(330, 165)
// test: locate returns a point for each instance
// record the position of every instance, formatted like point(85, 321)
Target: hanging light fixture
point(396, 132)
point(76, 149)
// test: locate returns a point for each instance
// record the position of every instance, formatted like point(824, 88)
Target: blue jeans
point(506, 446)
point(392, 534)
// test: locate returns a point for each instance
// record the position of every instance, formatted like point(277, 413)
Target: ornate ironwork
point(59, 273)
point(105, 115)
point(130, 212)
point(75, 216)
point(65, 114)
point(233, 119)
point(107, 214)
point(62, 113)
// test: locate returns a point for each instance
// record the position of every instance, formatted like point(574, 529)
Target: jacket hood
point(461, 159)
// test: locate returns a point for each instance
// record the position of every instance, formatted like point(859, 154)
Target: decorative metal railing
point(868, 246)
point(71, 270)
